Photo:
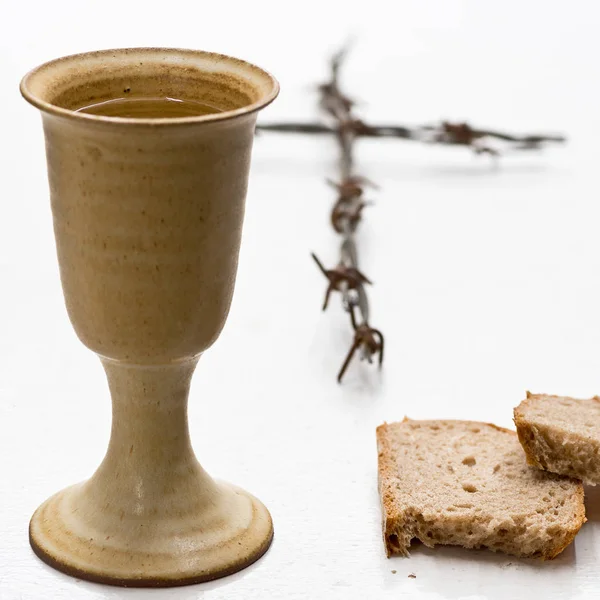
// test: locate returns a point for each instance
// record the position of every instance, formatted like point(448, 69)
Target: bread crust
point(578, 521)
point(389, 514)
point(526, 434)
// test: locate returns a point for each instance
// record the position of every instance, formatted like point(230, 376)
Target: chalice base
point(230, 530)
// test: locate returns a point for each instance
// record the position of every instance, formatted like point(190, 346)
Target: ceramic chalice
point(148, 216)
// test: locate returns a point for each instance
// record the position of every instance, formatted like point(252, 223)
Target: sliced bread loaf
point(561, 435)
point(468, 484)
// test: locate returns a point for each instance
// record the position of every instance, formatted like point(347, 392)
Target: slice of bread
point(468, 484)
point(561, 435)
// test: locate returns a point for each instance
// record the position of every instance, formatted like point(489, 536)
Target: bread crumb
point(394, 571)
point(412, 575)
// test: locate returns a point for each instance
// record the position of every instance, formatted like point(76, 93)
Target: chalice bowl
point(148, 153)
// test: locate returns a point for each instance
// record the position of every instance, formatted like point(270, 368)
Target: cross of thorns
point(345, 127)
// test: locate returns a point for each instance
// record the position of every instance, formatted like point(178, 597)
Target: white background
point(487, 283)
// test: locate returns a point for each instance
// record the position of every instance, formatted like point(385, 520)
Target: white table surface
point(487, 283)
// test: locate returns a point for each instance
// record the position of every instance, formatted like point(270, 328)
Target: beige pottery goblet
point(148, 217)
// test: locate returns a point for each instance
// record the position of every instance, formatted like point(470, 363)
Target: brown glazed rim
point(50, 108)
point(149, 582)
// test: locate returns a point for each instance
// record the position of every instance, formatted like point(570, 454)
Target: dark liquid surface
point(149, 108)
